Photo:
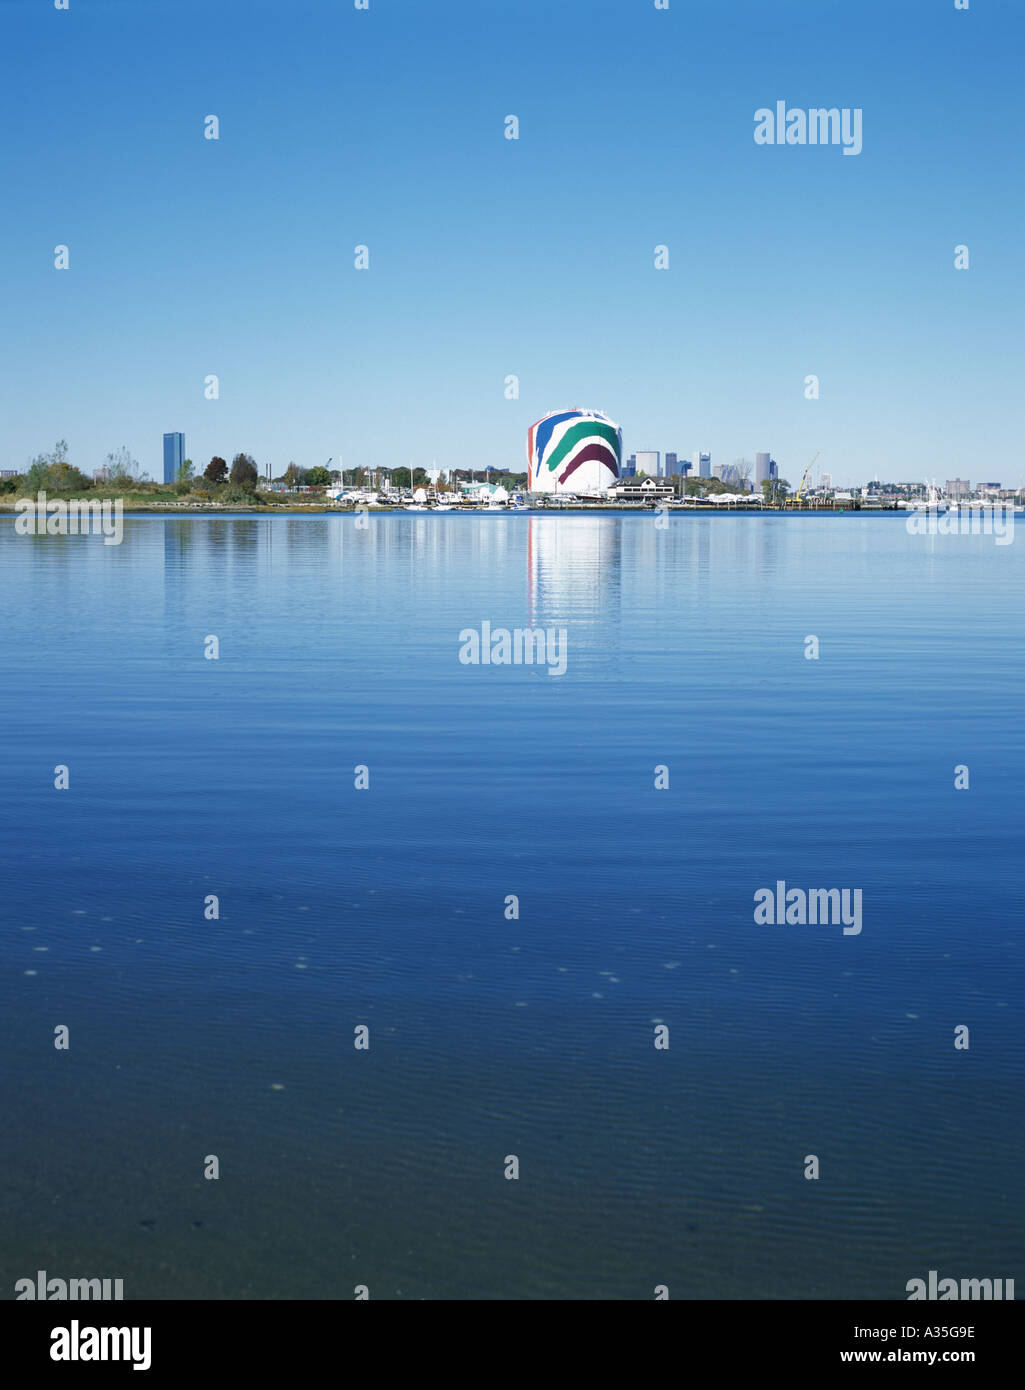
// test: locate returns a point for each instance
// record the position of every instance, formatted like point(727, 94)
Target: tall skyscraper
point(647, 462)
point(174, 456)
point(630, 467)
point(671, 466)
point(702, 465)
point(761, 468)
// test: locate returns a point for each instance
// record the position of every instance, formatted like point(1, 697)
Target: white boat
point(933, 503)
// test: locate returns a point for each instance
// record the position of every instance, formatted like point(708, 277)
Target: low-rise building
point(641, 490)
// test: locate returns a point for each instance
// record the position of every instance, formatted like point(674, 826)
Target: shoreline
point(634, 508)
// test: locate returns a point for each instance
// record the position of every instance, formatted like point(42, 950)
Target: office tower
point(672, 466)
point(174, 456)
point(761, 468)
point(647, 462)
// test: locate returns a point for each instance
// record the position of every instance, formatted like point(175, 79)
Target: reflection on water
point(494, 1034)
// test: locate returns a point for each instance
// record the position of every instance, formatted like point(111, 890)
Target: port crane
point(804, 478)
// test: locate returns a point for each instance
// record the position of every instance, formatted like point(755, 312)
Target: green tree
point(244, 472)
point(294, 476)
point(318, 476)
point(775, 491)
point(186, 472)
point(52, 473)
point(55, 477)
point(216, 470)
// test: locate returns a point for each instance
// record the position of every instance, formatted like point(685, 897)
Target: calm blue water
point(386, 907)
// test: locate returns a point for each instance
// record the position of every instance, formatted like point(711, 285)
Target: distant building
point(957, 487)
point(826, 482)
point(766, 468)
point(672, 468)
point(101, 475)
point(647, 462)
point(641, 490)
point(174, 456)
point(989, 487)
point(573, 450)
point(702, 465)
point(630, 467)
point(8, 473)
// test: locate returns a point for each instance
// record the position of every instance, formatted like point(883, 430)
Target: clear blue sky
point(492, 257)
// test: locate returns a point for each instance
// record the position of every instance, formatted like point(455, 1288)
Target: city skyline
point(651, 462)
point(237, 312)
